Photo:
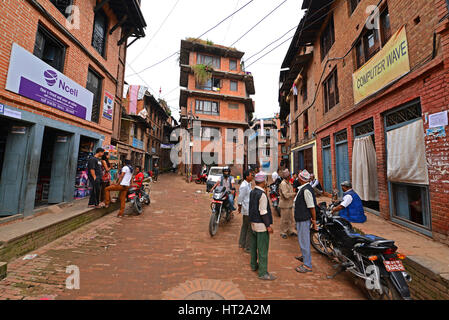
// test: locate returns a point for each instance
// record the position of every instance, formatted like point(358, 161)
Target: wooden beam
point(124, 38)
point(119, 24)
point(137, 38)
point(100, 5)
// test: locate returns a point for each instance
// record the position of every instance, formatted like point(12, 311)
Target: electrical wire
point(269, 51)
point(154, 65)
point(266, 16)
point(155, 34)
point(246, 60)
point(232, 14)
point(163, 60)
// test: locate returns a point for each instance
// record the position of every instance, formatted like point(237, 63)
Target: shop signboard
point(386, 66)
point(31, 77)
point(137, 143)
point(108, 105)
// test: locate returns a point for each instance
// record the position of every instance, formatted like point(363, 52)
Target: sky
point(170, 21)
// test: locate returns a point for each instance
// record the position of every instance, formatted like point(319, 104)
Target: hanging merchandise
point(295, 90)
point(81, 179)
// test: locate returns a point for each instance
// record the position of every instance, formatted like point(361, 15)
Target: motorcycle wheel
point(137, 205)
point(389, 291)
point(315, 238)
point(213, 223)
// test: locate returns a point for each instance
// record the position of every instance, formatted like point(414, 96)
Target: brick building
point(61, 83)
point(222, 102)
point(369, 97)
point(145, 128)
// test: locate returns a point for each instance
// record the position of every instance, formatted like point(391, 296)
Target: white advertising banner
point(31, 77)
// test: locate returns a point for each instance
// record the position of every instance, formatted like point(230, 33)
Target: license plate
point(395, 265)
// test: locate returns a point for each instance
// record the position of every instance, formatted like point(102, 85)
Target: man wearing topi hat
point(287, 195)
point(351, 207)
point(304, 207)
point(261, 221)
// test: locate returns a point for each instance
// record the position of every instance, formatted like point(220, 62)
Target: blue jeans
point(303, 229)
point(231, 201)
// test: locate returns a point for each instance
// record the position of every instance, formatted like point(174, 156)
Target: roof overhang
point(194, 46)
point(129, 18)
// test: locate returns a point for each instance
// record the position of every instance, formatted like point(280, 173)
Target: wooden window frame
point(327, 38)
point(333, 75)
point(48, 36)
point(99, 91)
point(105, 35)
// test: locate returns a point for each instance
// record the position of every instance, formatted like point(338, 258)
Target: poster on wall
point(31, 77)
point(108, 105)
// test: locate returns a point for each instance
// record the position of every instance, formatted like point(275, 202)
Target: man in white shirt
point(316, 185)
point(243, 203)
point(124, 181)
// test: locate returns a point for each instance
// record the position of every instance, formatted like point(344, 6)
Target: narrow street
point(167, 253)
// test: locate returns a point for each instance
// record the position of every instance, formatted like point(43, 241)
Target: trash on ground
point(29, 257)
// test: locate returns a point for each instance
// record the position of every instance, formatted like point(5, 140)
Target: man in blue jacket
point(351, 207)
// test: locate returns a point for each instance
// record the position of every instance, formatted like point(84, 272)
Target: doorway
point(327, 164)
point(342, 160)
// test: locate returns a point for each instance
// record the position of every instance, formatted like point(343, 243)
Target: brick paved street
point(167, 253)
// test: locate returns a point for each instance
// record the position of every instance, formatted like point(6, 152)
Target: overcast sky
point(191, 18)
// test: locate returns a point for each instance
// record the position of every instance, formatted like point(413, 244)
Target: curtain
point(406, 154)
point(364, 169)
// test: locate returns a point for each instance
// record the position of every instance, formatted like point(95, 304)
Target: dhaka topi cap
point(346, 184)
point(260, 177)
point(304, 175)
point(285, 174)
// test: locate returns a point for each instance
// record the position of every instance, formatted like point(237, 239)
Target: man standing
point(261, 221)
point(305, 214)
point(95, 175)
point(316, 185)
point(351, 207)
point(286, 195)
point(243, 203)
point(123, 184)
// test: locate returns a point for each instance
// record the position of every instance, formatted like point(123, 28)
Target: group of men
point(298, 214)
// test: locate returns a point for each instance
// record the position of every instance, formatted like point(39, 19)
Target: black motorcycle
point(369, 257)
point(221, 209)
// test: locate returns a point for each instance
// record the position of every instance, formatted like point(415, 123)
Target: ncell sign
point(31, 77)
point(387, 65)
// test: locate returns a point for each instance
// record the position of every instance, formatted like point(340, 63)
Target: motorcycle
point(370, 258)
point(201, 178)
point(138, 196)
point(221, 209)
point(274, 196)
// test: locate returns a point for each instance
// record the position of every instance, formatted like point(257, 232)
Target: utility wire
point(258, 23)
point(229, 16)
point(154, 35)
point(269, 51)
point(232, 14)
point(230, 23)
point(157, 63)
point(295, 27)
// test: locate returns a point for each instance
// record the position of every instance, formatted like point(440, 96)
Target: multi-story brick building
point(222, 102)
point(264, 143)
point(61, 82)
point(144, 126)
point(375, 99)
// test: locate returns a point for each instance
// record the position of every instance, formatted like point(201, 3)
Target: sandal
point(302, 269)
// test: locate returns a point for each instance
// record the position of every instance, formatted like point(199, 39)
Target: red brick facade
point(426, 23)
point(21, 19)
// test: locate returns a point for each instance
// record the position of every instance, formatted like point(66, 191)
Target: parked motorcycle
point(369, 257)
point(221, 209)
point(201, 178)
point(138, 196)
point(274, 196)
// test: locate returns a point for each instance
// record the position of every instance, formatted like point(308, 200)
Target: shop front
point(43, 161)
point(304, 157)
